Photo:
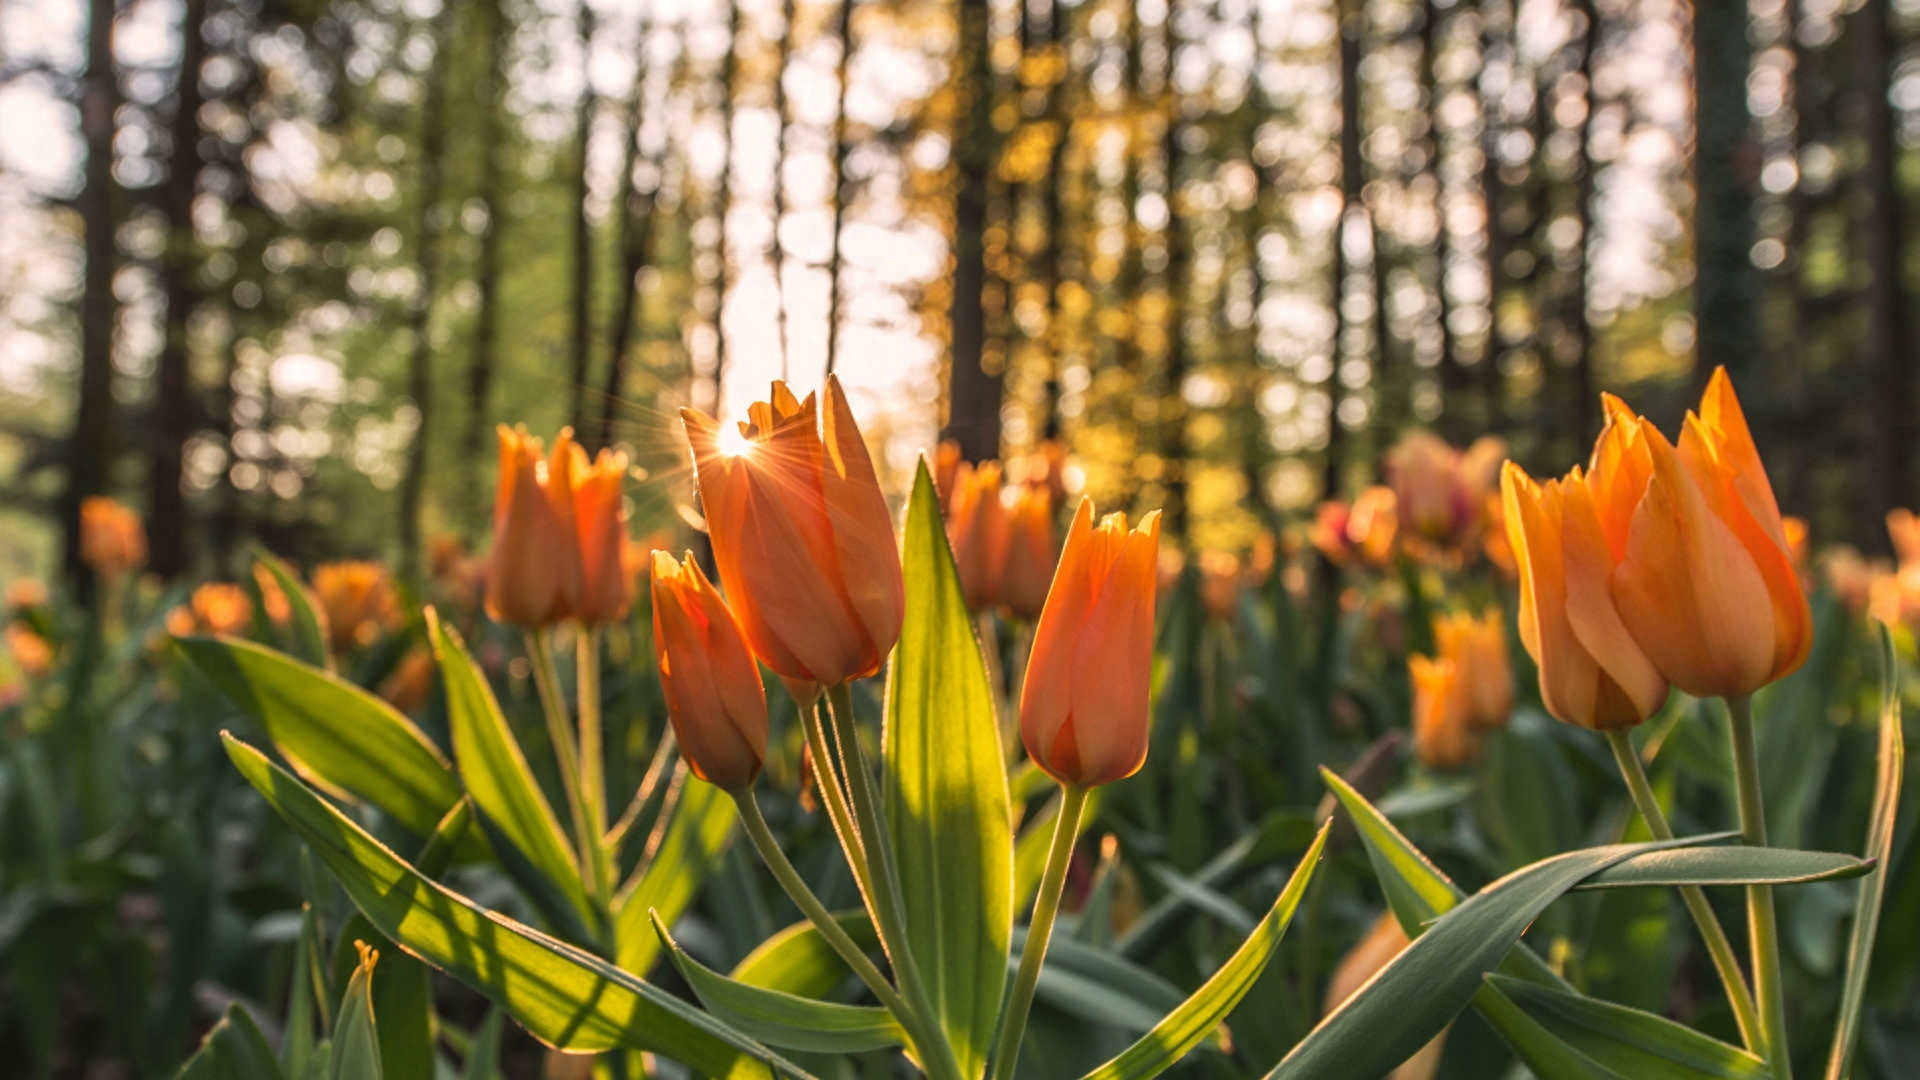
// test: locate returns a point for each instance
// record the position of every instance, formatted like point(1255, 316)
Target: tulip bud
point(1426, 479)
point(714, 696)
point(946, 466)
point(1031, 554)
point(32, 655)
point(978, 529)
point(1083, 709)
point(600, 529)
point(1442, 738)
point(802, 536)
point(112, 539)
point(358, 600)
point(1478, 650)
point(533, 575)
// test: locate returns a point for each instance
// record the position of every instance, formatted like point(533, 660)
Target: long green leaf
point(337, 736)
point(946, 792)
point(311, 634)
point(799, 961)
point(1199, 1015)
point(1628, 1041)
point(483, 1050)
point(1543, 1052)
point(689, 849)
point(1728, 866)
point(495, 770)
point(782, 1019)
point(563, 996)
point(356, 1034)
point(234, 1050)
point(1880, 829)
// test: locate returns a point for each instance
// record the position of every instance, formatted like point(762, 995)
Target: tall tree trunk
point(1352, 28)
point(176, 412)
point(1495, 20)
point(1452, 377)
point(90, 448)
point(426, 232)
point(723, 202)
point(973, 392)
point(1886, 344)
point(778, 255)
point(845, 30)
point(1586, 399)
point(486, 322)
point(1059, 112)
point(1173, 402)
point(636, 240)
point(1726, 290)
point(581, 328)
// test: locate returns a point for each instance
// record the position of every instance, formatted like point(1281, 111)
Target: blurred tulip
point(1365, 529)
point(1903, 528)
point(1593, 673)
point(1083, 709)
point(980, 531)
point(533, 576)
point(1044, 467)
point(1032, 554)
point(32, 654)
point(215, 608)
point(1849, 575)
point(112, 539)
point(1375, 951)
point(1220, 582)
point(946, 466)
point(1704, 580)
point(802, 536)
point(25, 594)
point(1425, 473)
point(273, 599)
point(1442, 737)
point(358, 600)
point(713, 691)
point(406, 687)
point(600, 529)
point(1478, 650)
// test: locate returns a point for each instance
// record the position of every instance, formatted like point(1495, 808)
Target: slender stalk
point(547, 681)
point(889, 912)
point(827, 780)
point(836, 936)
point(653, 788)
point(593, 774)
point(1715, 935)
point(1761, 922)
point(1046, 907)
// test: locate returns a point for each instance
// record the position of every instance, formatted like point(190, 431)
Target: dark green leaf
point(311, 635)
point(1728, 866)
point(234, 1050)
point(1630, 1042)
point(356, 1033)
point(689, 850)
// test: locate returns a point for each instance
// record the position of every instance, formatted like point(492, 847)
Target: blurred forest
point(274, 269)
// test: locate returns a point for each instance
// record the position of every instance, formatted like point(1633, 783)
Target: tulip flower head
point(1477, 647)
point(600, 528)
point(802, 536)
point(713, 691)
point(32, 655)
point(1442, 737)
point(1365, 529)
point(214, 608)
point(358, 600)
point(1083, 708)
point(980, 531)
point(1032, 553)
point(533, 576)
point(112, 539)
point(1434, 504)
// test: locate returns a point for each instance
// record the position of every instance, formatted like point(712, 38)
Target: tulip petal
point(1590, 605)
point(1046, 698)
point(1569, 675)
point(1113, 659)
point(868, 554)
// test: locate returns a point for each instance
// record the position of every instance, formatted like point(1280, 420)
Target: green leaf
point(496, 772)
point(1540, 1050)
point(483, 1051)
point(563, 996)
point(1199, 1015)
point(310, 631)
point(1728, 866)
point(782, 1019)
point(402, 998)
point(1279, 834)
point(337, 736)
point(799, 961)
point(1630, 1042)
point(1880, 830)
point(356, 1035)
point(297, 1050)
point(233, 1050)
point(946, 792)
point(690, 846)
point(1099, 985)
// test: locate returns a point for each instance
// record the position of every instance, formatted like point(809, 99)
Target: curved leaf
point(356, 1034)
point(1728, 866)
point(310, 631)
point(1630, 1042)
point(234, 1050)
point(781, 1019)
point(946, 792)
point(799, 961)
point(689, 847)
point(1199, 1015)
point(563, 996)
point(337, 736)
point(1543, 1052)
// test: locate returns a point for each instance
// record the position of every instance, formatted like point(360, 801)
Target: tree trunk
point(1173, 402)
point(1726, 291)
point(778, 255)
point(973, 392)
point(581, 327)
point(90, 449)
point(426, 232)
point(845, 30)
point(723, 199)
point(1586, 397)
point(1886, 342)
point(1352, 28)
point(486, 321)
point(176, 412)
point(636, 242)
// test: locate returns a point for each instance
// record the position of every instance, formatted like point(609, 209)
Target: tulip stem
point(889, 913)
point(593, 779)
point(1715, 935)
point(1046, 906)
point(1761, 923)
point(546, 679)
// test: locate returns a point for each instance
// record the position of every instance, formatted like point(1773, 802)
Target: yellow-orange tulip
point(802, 536)
point(1083, 709)
point(1433, 502)
point(358, 599)
point(600, 529)
point(25, 594)
point(1032, 554)
point(1593, 673)
point(1705, 582)
point(1478, 649)
point(946, 466)
point(1365, 529)
point(1442, 737)
point(31, 653)
point(1903, 528)
point(533, 576)
point(112, 539)
point(714, 697)
point(1375, 951)
point(214, 608)
point(979, 530)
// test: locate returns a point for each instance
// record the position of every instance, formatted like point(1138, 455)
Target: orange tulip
point(1705, 582)
point(112, 539)
point(1083, 709)
point(1903, 527)
point(1442, 737)
point(1220, 582)
point(406, 687)
point(1366, 529)
point(802, 536)
point(31, 653)
point(1375, 951)
point(979, 530)
point(214, 608)
point(714, 697)
point(533, 576)
point(25, 594)
point(1433, 502)
point(1593, 673)
point(358, 599)
point(946, 466)
point(600, 529)
point(1478, 650)
point(1032, 553)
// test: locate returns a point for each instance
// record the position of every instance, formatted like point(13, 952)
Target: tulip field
point(1477, 775)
